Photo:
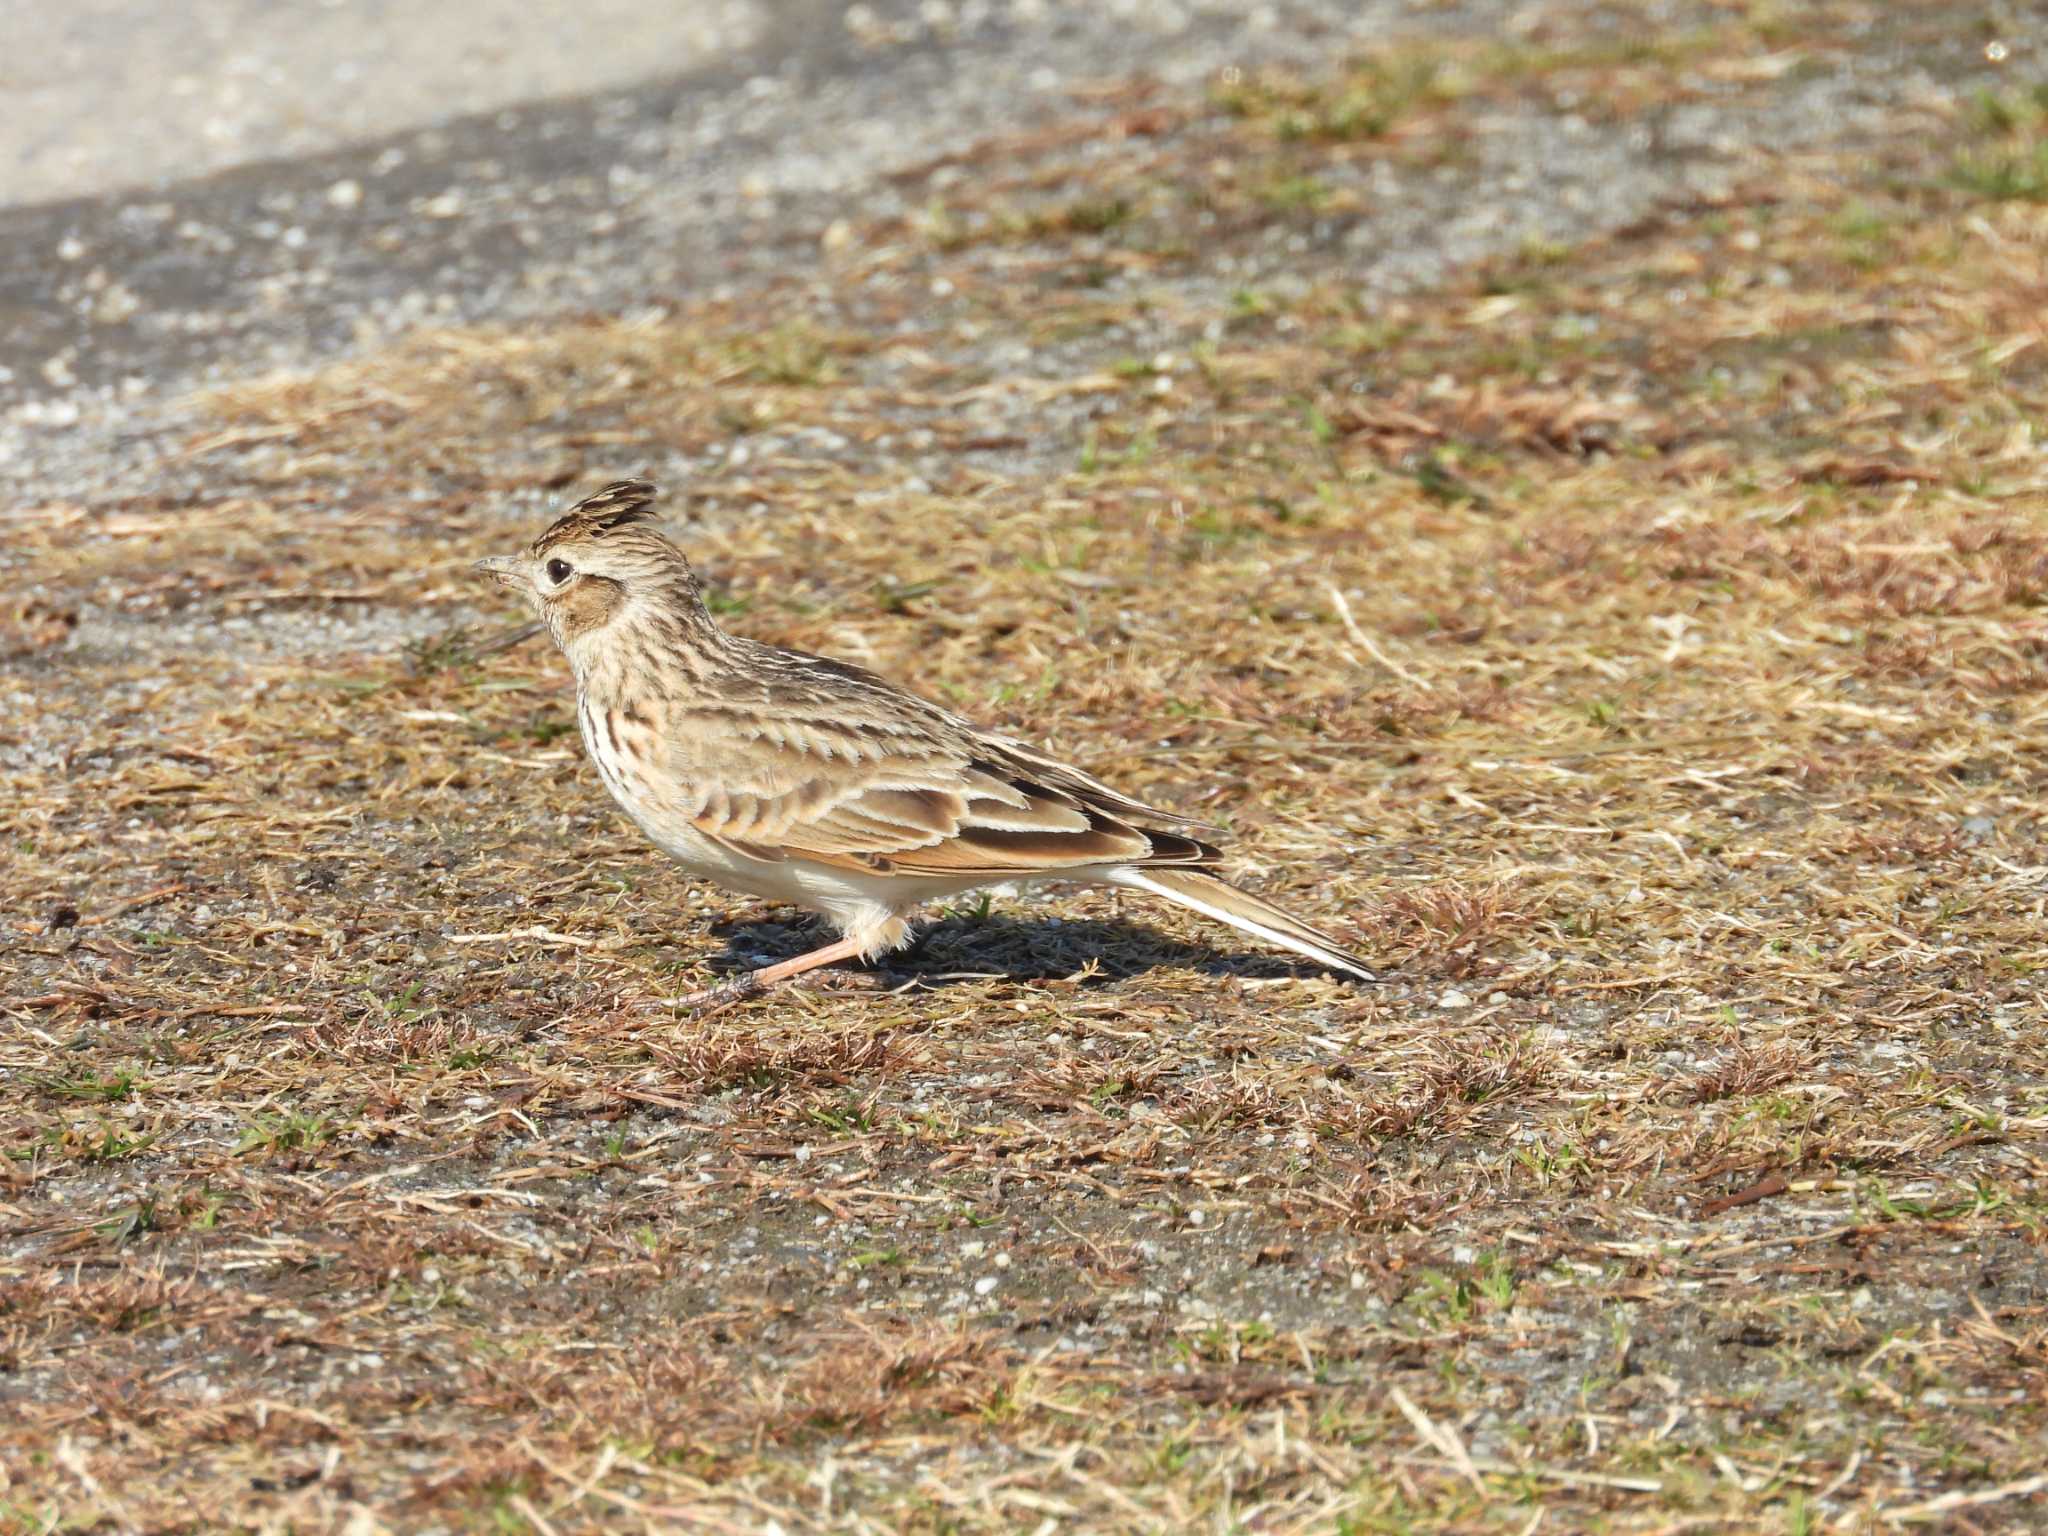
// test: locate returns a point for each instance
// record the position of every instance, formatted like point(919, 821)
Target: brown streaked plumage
point(800, 778)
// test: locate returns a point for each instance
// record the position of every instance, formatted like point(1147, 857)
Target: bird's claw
point(736, 990)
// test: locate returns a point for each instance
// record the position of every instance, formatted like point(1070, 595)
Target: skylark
point(801, 779)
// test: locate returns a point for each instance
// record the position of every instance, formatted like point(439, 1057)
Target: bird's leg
point(845, 949)
point(756, 982)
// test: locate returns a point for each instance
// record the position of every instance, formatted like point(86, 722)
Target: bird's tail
point(1211, 897)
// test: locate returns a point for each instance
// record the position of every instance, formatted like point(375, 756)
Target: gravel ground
point(117, 307)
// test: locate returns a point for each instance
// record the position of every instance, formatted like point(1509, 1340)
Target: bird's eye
point(560, 571)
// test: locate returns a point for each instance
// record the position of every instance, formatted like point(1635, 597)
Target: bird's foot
point(736, 989)
point(748, 985)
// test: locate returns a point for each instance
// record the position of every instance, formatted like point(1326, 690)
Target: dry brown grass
point(1638, 648)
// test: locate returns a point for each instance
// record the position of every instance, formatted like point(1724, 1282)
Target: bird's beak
point(506, 570)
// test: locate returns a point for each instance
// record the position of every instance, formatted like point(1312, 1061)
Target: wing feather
point(914, 803)
point(821, 760)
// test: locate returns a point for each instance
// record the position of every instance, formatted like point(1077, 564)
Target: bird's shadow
point(955, 949)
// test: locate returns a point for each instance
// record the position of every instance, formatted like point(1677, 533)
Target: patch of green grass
point(109, 1143)
point(1999, 113)
point(2018, 175)
point(296, 1132)
point(793, 353)
point(1365, 102)
point(103, 1090)
point(544, 730)
point(1095, 216)
point(1496, 1282)
point(128, 1222)
point(978, 909)
point(724, 603)
point(2013, 165)
point(402, 1007)
point(896, 596)
point(1295, 192)
point(854, 1118)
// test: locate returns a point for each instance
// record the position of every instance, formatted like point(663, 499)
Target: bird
point(801, 779)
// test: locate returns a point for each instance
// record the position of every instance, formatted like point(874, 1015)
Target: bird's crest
point(618, 505)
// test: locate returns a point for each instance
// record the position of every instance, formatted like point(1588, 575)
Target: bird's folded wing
point(884, 802)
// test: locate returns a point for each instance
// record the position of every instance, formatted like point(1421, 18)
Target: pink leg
point(845, 949)
point(760, 981)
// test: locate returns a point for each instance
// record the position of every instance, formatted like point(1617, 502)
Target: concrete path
point(115, 95)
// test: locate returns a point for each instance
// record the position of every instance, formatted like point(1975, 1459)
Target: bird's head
point(600, 561)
